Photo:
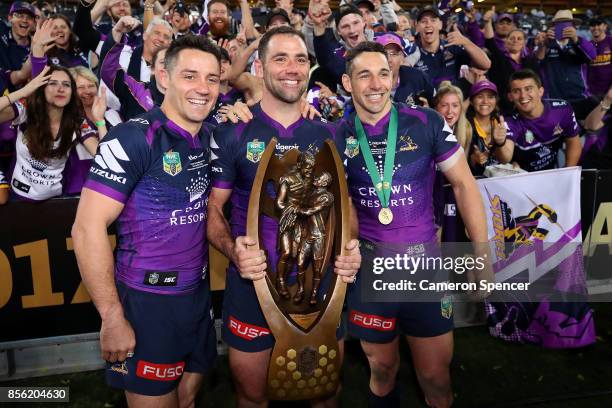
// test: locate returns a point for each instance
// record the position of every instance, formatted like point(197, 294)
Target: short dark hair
point(262, 49)
point(224, 54)
point(366, 46)
point(211, 2)
point(187, 42)
point(524, 74)
point(345, 10)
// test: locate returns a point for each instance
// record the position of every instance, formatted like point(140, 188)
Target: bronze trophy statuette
point(308, 196)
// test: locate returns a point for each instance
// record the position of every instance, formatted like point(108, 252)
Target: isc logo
point(246, 331)
point(372, 321)
point(160, 372)
point(171, 279)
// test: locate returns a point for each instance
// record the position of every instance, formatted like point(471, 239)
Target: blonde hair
point(463, 129)
point(81, 71)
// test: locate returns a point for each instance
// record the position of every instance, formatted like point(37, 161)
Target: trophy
point(307, 195)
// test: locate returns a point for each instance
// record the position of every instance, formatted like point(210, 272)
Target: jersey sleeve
point(87, 131)
point(570, 125)
point(223, 148)
point(446, 149)
point(20, 114)
point(120, 162)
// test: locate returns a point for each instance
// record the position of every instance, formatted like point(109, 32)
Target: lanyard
point(382, 188)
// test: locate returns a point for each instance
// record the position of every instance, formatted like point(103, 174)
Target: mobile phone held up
point(559, 27)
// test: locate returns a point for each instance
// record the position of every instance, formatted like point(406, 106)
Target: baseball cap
point(483, 85)
point(389, 38)
point(428, 10)
point(367, 3)
point(277, 13)
point(505, 16)
point(22, 7)
point(345, 11)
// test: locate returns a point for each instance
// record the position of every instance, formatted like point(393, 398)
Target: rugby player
point(283, 64)
point(151, 174)
point(405, 216)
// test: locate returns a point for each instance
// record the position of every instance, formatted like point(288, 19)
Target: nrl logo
point(254, 150)
point(172, 163)
point(529, 136)
point(154, 278)
point(352, 147)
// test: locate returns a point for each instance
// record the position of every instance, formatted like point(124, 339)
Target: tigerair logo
point(245, 330)
point(160, 372)
point(372, 321)
point(109, 154)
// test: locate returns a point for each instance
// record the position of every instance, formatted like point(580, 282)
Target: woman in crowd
point(54, 124)
point(488, 128)
point(54, 41)
point(448, 102)
point(94, 107)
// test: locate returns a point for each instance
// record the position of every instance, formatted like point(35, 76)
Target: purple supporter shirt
point(423, 140)
point(160, 173)
point(599, 72)
point(537, 141)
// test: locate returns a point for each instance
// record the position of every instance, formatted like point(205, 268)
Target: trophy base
point(304, 372)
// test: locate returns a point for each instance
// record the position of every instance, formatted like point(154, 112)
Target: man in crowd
point(599, 74)
point(404, 216)
point(92, 11)
point(539, 127)
point(219, 19)
point(350, 26)
point(15, 43)
point(410, 85)
point(151, 175)
point(442, 60)
point(563, 56)
point(503, 25)
point(283, 64)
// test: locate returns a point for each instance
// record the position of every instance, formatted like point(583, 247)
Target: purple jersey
point(537, 141)
point(79, 161)
point(161, 174)
point(444, 64)
point(423, 140)
point(237, 149)
point(599, 73)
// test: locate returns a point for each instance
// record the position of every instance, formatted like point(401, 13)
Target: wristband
point(11, 102)
point(603, 107)
point(100, 123)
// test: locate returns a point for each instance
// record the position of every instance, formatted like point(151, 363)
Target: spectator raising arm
point(7, 111)
point(477, 55)
point(89, 37)
point(595, 120)
point(247, 20)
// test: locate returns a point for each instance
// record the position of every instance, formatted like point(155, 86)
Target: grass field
point(486, 373)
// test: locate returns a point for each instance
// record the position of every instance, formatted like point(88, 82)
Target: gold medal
point(385, 216)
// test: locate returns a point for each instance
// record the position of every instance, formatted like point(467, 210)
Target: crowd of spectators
point(516, 88)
